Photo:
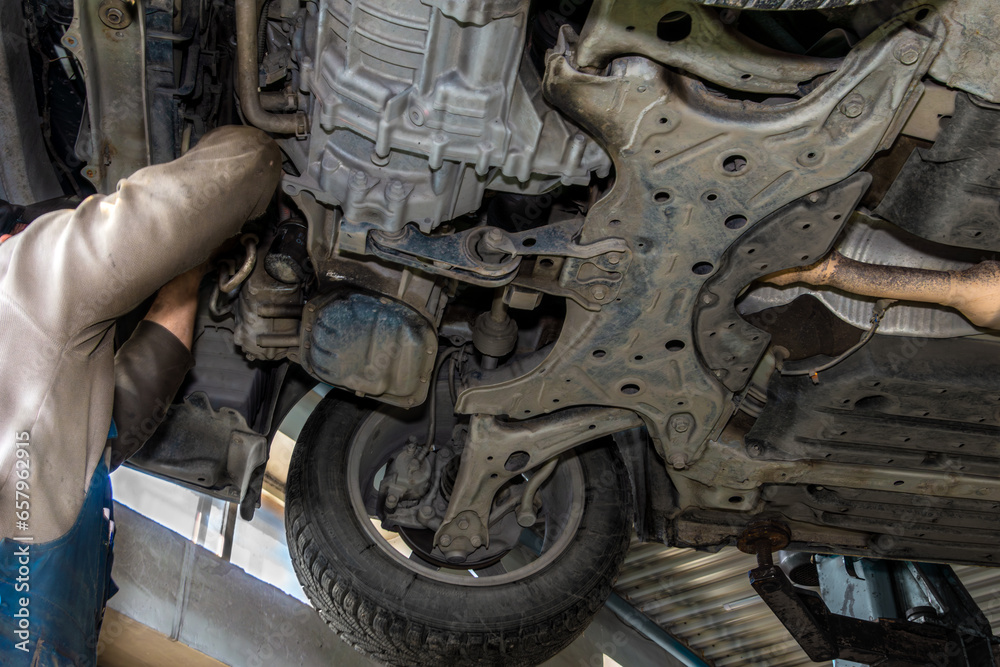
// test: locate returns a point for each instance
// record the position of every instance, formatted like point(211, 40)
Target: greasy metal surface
point(798, 233)
point(370, 344)
point(113, 62)
point(706, 601)
point(662, 129)
point(974, 292)
point(875, 241)
point(712, 50)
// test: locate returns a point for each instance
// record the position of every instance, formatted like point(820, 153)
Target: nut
point(476, 541)
point(678, 461)
point(853, 106)
point(599, 292)
point(115, 14)
point(463, 524)
point(445, 540)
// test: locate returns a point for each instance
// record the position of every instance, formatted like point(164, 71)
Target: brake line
point(878, 312)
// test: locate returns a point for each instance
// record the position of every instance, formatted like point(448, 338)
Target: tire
point(400, 617)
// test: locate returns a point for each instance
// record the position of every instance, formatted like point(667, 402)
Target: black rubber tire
point(397, 617)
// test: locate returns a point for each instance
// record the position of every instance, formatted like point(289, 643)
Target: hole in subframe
point(736, 221)
point(734, 164)
point(674, 26)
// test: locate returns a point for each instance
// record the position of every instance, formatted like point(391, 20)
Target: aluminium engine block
point(417, 107)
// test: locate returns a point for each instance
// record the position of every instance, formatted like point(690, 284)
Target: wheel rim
point(384, 432)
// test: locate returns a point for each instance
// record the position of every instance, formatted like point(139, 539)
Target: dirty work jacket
point(66, 278)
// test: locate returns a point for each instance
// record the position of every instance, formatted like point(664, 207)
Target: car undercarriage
point(741, 255)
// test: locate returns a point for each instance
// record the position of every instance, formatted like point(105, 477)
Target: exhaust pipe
point(974, 292)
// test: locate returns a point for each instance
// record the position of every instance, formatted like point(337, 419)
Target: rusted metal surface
point(975, 292)
point(113, 62)
point(873, 241)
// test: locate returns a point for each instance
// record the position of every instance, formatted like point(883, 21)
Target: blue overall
point(52, 616)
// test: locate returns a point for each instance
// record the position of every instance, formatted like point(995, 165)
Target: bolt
point(396, 190)
point(599, 292)
point(681, 426)
point(426, 511)
point(708, 298)
point(754, 450)
point(678, 461)
point(494, 236)
point(114, 15)
point(463, 524)
point(763, 547)
point(391, 501)
point(476, 541)
point(907, 53)
point(614, 258)
point(853, 106)
point(358, 180)
point(445, 540)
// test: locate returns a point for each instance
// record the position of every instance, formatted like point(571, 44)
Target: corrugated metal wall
point(705, 600)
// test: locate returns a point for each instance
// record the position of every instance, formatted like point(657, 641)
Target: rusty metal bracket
point(496, 451)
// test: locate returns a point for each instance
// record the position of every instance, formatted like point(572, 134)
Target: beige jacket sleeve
point(66, 278)
point(101, 260)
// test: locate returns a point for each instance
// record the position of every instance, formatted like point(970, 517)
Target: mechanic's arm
point(100, 261)
point(151, 365)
